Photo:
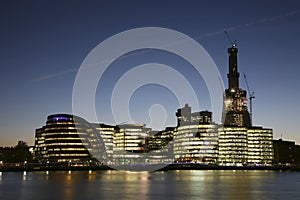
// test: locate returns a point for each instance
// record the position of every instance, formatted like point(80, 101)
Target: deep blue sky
point(43, 43)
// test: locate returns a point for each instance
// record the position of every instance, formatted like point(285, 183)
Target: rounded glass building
point(68, 138)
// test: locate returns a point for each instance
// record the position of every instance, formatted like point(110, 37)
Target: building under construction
point(241, 143)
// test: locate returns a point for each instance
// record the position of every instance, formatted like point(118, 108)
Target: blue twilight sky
point(43, 43)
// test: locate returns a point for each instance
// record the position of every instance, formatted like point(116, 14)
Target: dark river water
point(153, 185)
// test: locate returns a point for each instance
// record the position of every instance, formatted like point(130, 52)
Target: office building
point(260, 146)
point(233, 148)
point(195, 137)
point(107, 133)
point(129, 143)
point(68, 138)
point(160, 146)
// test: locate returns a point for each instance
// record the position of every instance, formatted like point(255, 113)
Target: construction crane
point(251, 96)
point(233, 44)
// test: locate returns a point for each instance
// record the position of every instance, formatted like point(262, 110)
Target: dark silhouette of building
point(185, 116)
point(286, 152)
point(18, 154)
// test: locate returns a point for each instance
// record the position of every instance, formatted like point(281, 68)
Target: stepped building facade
point(68, 139)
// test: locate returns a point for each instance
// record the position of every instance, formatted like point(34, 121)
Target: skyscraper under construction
point(241, 143)
point(236, 111)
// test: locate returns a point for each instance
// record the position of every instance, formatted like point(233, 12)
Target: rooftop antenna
point(251, 96)
point(233, 44)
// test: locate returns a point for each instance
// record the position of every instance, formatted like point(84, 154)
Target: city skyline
point(44, 44)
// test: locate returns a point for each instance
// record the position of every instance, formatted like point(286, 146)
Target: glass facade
point(195, 137)
point(159, 146)
point(232, 146)
point(241, 146)
point(236, 108)
point(64, 139)
point(196, 143)
point(107, 133)
point(129, 142)
point(260, 146)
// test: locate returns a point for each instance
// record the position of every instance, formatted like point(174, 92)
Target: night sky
point(43, 44)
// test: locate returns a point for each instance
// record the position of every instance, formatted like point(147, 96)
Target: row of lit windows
point(235, 151)
point(62, 133)
point(233, 135)
point(127, 137)
point(63, 138)
point(50, 154)
point(53, 123)
point(131, 134)
point(194, 147)
point(232, 149)
point(232, 159)
point(105, 130)
point(228, 142)
point(263, 155)
point(259, 131)
point(176, 139)
point(133, 141)
point(262, 136)
point(266, 142)
point(196, 143)
point(259, 145)
point(233, 129)
point(202, 135)
point(208, 152)
point(60, 127)
point(131, 130)
point(67, 149)
point(67, 144)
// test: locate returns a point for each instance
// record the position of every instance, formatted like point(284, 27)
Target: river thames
point(111, 184)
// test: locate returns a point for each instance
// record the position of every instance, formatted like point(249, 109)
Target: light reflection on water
point(150, 185)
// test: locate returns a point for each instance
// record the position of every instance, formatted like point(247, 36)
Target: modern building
point(159, 139)
point(240, 143)
point(236, 110)
point(129, 143)
point(67, 138)
point(107, 132)
point(233, 146)
point(40, 150)
point(260, 146)
point(160, 146)
point(242, 146)
point(195, 137)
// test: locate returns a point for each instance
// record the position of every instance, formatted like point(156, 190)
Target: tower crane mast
point(251, 96)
